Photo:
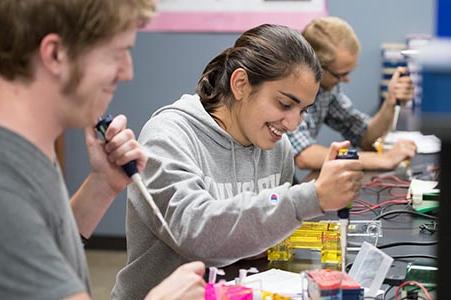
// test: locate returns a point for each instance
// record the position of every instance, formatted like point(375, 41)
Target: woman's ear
point(239, 84)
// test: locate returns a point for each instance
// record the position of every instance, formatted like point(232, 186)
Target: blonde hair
point(326, 34)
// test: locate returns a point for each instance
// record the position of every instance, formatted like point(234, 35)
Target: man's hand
point(402, 150)
point(400, 87)
point(107, 158)
point(186, 283)
point(339, 181)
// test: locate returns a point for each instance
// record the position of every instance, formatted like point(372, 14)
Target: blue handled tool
point(131, 170)
point(346, 153)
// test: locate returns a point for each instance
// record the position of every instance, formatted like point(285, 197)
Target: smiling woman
point(219, 159)
point(260, 115)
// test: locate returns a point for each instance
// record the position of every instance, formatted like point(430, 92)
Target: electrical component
point(321, 236)
point(331, 253)
point(397, 273)
point(430, 227)
point(426, 275)
point(281, 251)
point(311, 235)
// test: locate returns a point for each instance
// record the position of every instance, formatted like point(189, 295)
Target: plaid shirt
point(335, 109)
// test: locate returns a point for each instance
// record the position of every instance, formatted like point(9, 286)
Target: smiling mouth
point(275, 131)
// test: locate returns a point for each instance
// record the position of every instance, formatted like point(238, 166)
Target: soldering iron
point(398, 106)
point(131, 170)
point(343, 214)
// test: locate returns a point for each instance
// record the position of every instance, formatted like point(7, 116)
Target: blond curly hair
point(326, 34)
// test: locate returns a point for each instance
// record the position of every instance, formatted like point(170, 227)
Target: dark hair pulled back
point(267, 53)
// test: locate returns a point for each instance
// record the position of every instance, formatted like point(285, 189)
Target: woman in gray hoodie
point(221, 166)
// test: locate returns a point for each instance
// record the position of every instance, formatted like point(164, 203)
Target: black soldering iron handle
point(129, 168)
point(350, 153)
point(403, 74)
point(344, 213)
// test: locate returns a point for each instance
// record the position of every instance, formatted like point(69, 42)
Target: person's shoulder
point(174, 115)
point(20, 155)
point(167, 128)
point(167, 122)
point(326, 95)
point(18, 207)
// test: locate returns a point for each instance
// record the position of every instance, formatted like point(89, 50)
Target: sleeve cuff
point(306, 201)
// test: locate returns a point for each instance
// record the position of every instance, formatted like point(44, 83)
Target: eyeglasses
point(337, 76)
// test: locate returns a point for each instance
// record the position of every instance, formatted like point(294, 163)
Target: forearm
point(379, 125)
point(196, 221)
point(311, 157)
point(375, 161)
point(90, 203)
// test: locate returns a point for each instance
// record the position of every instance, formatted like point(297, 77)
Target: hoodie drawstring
point(235, 180)
point(256, 155)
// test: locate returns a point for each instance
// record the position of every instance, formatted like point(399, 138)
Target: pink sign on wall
point(233, 15)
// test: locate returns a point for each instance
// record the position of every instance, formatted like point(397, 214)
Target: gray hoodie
point(223, 201)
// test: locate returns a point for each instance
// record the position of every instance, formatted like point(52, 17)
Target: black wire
point(378, 195)
point(417, 297)
point(348, 267)
point(403, 211)
point(383, 209)
point(375, 191)
point(414, 256)
point(387, 290)
point(396, 244)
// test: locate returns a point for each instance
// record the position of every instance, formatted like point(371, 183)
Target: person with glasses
point(337, 48)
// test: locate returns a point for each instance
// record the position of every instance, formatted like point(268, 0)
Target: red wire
point(425, 291)
point(372, 207)
point(392, 178)
point(396, 195)
point(387, 181)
